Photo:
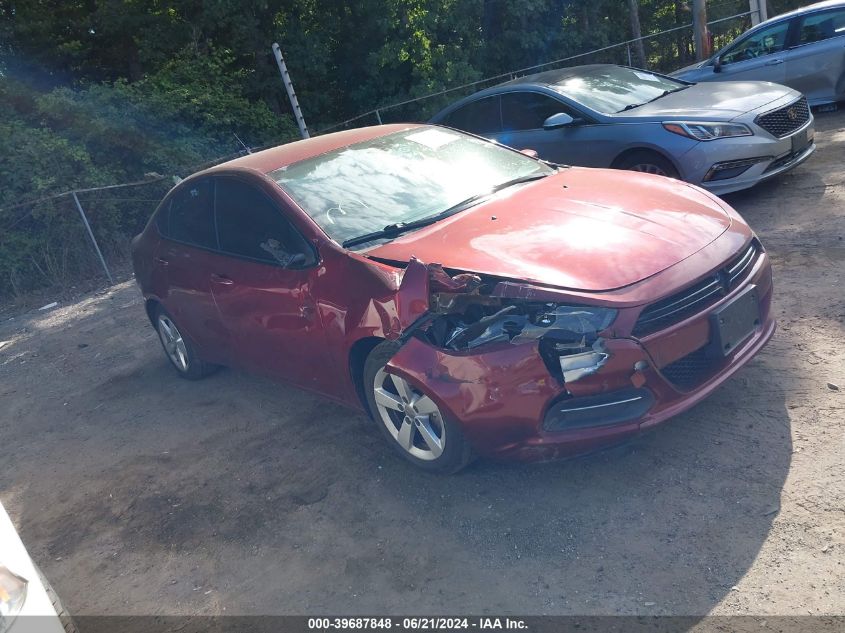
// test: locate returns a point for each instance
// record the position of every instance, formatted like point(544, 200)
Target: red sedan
point(470, 298)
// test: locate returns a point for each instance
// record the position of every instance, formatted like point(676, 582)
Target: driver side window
point(529, 110)
point(250, 225)
point(764, 42)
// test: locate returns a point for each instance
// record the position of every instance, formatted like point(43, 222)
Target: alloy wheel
point(174, 344)
point(410, 416)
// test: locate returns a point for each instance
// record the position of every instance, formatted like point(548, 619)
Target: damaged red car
point(472, 299)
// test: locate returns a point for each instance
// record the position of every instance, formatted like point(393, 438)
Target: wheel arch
point(151, 306)
point(357, 357)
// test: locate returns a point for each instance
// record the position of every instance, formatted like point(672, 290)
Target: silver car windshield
point(399, 178)
point(613, 89)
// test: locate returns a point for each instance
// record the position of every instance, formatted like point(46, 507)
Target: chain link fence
point(84, 234)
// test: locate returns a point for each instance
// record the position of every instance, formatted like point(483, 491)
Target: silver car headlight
point(707, 131)
point(12, 597)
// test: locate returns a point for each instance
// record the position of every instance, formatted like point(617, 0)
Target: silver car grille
point(784, 121)
point(693, 299)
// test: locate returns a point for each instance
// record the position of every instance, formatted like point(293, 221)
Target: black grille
point(690, 371)
point(697, 297)
point(786, 120)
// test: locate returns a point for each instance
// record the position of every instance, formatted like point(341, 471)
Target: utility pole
point(297, 111)
point(759, 11)
point(699, 26)
point(636, 31)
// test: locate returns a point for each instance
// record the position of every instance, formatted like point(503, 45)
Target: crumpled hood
point(581, 229)
point(719, 100)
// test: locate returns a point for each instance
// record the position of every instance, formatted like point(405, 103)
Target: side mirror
point(297, 261)
point(530, 152)
point(561, 119)
point(717, 65)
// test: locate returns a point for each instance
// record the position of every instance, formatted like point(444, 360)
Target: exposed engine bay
point(467, 313)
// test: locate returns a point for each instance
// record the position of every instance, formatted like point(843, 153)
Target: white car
point(27, 602)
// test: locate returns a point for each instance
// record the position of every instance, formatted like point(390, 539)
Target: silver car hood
point(723, 100)
point(681, 71)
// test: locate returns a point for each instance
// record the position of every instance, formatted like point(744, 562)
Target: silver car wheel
point(173, 343)
point(410, 416)
point(648, 168)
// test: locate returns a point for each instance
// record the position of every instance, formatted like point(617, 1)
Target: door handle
point(774, 62)
point(162, 262)
point(221, 279)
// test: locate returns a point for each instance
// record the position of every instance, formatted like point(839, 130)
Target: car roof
point(554, 77)
point(827, 4)
point(545, 80)
point(280, 156)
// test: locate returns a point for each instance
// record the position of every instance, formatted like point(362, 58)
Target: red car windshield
point(399, 178)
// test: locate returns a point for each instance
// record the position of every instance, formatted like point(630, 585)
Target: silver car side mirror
point(717, 65)
point(556, 121)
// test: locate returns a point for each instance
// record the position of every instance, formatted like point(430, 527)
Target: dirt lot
point(140, 493)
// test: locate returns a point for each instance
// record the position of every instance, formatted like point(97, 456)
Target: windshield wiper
point(397, 228)
point(667, 92)
point(631, 106)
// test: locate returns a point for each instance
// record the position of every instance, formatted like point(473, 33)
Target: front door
point(581, 143)
point(759, 56)
point(265, 296)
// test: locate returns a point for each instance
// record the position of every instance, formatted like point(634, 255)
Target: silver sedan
point(721, 136)
point(802, 49)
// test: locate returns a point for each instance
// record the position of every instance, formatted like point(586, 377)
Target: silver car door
point(758, 56)
point(580, 143)
point(816, 65)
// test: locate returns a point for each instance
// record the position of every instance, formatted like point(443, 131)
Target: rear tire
point(648, 162)
point(178, 348)
point(410, 420)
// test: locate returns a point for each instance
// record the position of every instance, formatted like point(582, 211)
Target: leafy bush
point(190, 112)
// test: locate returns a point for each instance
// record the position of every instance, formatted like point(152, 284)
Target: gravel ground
point(140, 493)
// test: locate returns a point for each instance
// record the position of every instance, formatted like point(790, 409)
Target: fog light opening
point(732, 168)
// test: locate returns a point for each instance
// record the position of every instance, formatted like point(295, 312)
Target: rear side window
point(822, 26)
point(250, 225)
point(479, 117)
point(528, 110)
point(190, 218)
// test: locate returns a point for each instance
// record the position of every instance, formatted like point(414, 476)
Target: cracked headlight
point(576, 366)
point(570, 345)
point(707, 131)
point(12, 597)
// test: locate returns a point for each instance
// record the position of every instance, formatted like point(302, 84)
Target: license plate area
point(800, 141)
point(734, 322)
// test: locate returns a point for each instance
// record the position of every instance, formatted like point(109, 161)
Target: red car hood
point(584, 229)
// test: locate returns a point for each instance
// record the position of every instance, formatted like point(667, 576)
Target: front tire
point(410, 420)
point(648, 162)
point(179, 350)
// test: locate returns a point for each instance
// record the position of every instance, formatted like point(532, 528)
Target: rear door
point(816, 64)
point(758, 56)
point(263, 292)
point(185, 259)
